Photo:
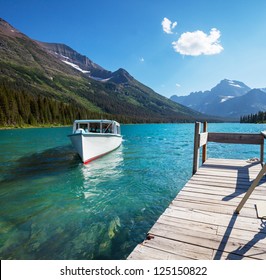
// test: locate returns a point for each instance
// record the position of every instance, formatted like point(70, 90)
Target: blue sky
point(172, 46)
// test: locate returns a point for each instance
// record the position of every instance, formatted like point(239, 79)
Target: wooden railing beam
point(236, 138)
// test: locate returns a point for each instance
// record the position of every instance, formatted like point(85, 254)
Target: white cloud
point(168, 26)
point(198, 43)
point(141, 59)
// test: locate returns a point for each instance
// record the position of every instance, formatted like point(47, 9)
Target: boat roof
point(96, 121)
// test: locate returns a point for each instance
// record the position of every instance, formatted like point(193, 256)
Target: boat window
point(107, 128)
point(84, 126)
point(95, 127)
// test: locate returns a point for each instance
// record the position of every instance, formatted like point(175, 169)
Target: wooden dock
point(202, 223)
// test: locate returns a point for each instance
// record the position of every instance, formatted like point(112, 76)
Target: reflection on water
point(101, 182)
point(104, 169)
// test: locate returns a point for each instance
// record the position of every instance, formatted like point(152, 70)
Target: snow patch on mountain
point(232, 83)
point(225, 98)
point(100, 79)
point(76, 66)
point(66, 57)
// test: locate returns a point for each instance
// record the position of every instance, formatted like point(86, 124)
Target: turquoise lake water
point(54, 207)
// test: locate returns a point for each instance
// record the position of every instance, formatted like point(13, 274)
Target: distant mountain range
point(56, 84)
point(230, 99)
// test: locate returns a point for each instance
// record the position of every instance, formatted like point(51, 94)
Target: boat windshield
point(107, 128)
point(96, 127)
point(83, 126)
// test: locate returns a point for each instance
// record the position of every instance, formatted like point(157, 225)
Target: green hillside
point(37, 88)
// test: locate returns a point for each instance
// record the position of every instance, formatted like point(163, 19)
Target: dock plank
point(200, 222)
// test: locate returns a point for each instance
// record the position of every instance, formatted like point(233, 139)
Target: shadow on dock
point(243, 181)
point(241, 251)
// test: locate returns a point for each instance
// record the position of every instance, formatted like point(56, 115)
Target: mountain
point(250, 103)
point(76, 60)
point(52, 83)
point(229, 98)
point(85, 65)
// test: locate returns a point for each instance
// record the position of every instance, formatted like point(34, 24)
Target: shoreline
point(32, 126)
point(69, 125)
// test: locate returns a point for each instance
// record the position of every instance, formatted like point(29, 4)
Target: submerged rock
point(113, 227)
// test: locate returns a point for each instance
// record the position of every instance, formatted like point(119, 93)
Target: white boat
point(95, 138)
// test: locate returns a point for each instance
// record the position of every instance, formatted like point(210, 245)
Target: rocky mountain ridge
point(229, 98)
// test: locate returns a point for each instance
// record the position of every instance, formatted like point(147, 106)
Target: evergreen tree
point(259, 117)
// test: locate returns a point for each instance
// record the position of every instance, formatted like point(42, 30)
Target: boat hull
point(91, 146)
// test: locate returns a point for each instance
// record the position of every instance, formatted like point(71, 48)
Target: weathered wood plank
point(219, 198)
point(178, 222)
point(223, 174)
point(142, 252)
point(231, 172)
point(247, 212)
point(234, 163)
point(227, 185)
point(203, 200)
point(176, 247)
point(193, 188)
point(236, 138)
point(232, 182)
point(210, 199)
point(212, 218)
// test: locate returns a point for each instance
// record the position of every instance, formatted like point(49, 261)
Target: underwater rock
point(113, 227)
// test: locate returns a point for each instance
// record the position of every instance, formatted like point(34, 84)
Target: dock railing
point(201, 139)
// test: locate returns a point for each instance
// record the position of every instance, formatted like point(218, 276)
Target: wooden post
point(196, 148)
point(204, 147)
point(261, 153)
point(262, 147)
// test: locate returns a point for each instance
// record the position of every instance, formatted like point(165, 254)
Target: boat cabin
point(96, 126)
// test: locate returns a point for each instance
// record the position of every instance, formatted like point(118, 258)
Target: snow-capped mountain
point(229, 98)
point(250, 103)
point(76, 60)
point(85, 65)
